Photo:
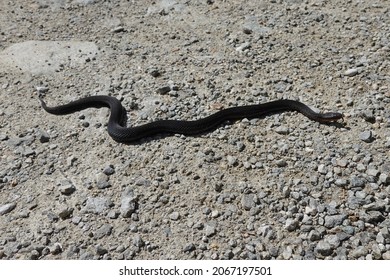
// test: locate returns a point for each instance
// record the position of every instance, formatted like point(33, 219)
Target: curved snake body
point(120, 133)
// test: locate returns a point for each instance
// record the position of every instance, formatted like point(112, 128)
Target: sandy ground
point(280, 187)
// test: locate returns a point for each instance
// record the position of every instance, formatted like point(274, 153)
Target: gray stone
point(43, 136)
point(386, 255)
point(210, 230)
point(138, 241)
point(357, 182)
point(189, 247)
point(334, 220)
point(232, 161)
point(96, 205)
point(366, 136)
point(102, 181)
point(128, 203)
point(248, 201)
point(324, 248)
point(174, 216)
point(6, 208)
point(66, 187)
point(333, 240)
point(100, 250)
point(109, 170)
point(360, 251)
point(291, 224)
point(163, 90)
point(65, 212)
point(104, 230)
point(351, 72)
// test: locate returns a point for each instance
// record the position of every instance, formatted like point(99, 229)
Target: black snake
point(120, 133)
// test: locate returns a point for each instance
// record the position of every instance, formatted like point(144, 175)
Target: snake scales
point(120, 133)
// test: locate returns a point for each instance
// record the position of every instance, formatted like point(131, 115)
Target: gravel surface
point(280, 187)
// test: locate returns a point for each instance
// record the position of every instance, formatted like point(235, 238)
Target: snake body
point(119, 132)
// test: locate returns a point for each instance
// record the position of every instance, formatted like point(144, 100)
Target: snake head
point(332, 116)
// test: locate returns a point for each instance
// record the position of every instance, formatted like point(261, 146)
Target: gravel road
point(279, 187)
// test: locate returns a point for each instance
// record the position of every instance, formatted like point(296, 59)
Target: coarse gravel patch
point(279, 187)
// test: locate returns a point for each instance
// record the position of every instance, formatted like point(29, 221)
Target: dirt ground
point(279, 187)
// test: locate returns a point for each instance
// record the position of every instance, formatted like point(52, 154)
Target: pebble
point(283, 130)
point(334, 220)
point(174, 216)
point(351, 72)
point(232, 161)
point(128, 203)
point(366, 136)
point(138, 241)
point(324, 248)
point(109, 170)
point(96, 205)
point(163, 90)
point(65, 212)
point(291, 224)
point(102, 181)
point(43, 136)
point(210, 230)
point(104, 230)
point(6, 208)
point(248, 201)
point(189, 247)
point(67, 187)
point(243, 47)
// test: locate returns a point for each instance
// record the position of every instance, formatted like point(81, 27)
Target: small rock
point(109, 170)
point(333, 240)
point(341, 182)
point(128, 203)
point(248, 201)
point(164, 90)
point(324, 248)
point(65, 213)
point(351, 72)
point(55, 249)
point(96, 205)
point(174, 216)
point(104, 230)
point(43, 136)
point(210, 230)
point(281, 163)
point(386, 255)
point(372, 217)
point(189, 247)
point(366, 136)
point(6, 208)
point(66, 187)
point(118, 29)
point(282, 130)
point(232, 161)
point(322, 169)
point(101, 250)
point(243, 47)
point(154, 72)
point(314, 235)
point(137, 241)
point(102, 181)
point(42, 89)
point(373, 172)
point(360, 251)
point(357, 182)
point(334, 220)
point(291, 224)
